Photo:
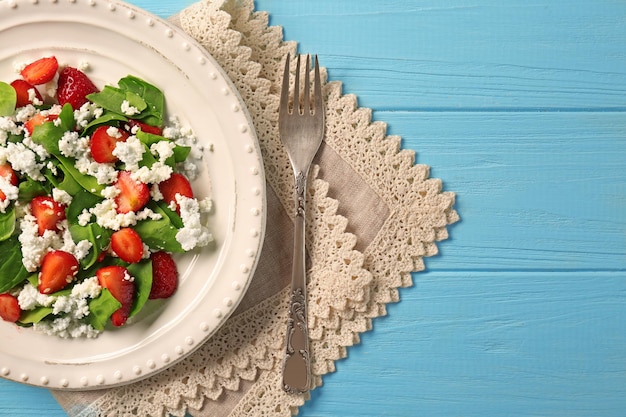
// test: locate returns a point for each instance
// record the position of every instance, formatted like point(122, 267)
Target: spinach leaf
point(142, 272)
point(8, 99)
point(48, 135)
point(61, 180)
point(101, 308)
point(145, 97)
point(87, 182)
point(12, 270)
point(29, 188)
point(160, 234)
point(92, 232)
point(30, 317)
point(108, 118)
point(7, 222)
point(154, 98)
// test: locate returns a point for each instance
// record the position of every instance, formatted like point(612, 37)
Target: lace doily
point(361, 250)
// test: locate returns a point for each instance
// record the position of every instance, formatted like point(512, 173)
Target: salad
point(95, 198)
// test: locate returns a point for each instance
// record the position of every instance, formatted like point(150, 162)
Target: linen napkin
point(373, 215)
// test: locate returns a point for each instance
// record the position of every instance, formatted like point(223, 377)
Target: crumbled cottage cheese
point(129, 110)
point(130, 152)
point(193, 233)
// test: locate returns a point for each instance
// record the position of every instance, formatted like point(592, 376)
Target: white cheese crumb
point(193, 233)
point(129, 110)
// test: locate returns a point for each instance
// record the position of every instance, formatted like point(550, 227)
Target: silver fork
point(301, 131)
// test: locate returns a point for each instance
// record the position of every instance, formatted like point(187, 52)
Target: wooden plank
point(536, 191)
point(489, 344)
point(466, 54)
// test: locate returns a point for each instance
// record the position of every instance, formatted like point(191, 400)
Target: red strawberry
point(47, 212)
point(127, 244)
point(9, 308)
point(73, 87)
point(37, 120)
point(176, 184)
point(102, 144)
point(40, 71)
point(21, 88)
point(58, 269)
point(164, 275)
point(120, 283)
point(155, 130)
point(133, 194)
point(8, 174)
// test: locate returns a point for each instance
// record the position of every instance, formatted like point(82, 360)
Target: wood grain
point(520, 107)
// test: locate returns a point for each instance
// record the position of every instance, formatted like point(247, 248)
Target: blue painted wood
point(521, 108)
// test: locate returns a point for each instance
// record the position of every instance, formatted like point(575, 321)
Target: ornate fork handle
point(296, 368)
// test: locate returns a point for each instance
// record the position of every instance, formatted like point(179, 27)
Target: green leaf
point(92, 232)
point(12, 270)
point(109, 98)
point(7, 223)
point(107, 119)
point(29, 188)
point(101, 308)
point(8, 99)
point(142, 272)
point(87, 182)
point(30, 317)
point(68, 123)
point(160, 234)
point(154, 98)
point(48, 135)
point(181, 153)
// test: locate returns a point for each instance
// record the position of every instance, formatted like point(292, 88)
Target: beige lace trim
point(396, 217)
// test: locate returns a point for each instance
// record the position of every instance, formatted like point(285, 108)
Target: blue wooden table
point(520, 107)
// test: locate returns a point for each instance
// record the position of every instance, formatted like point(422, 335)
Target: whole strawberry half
point(127, 244)
point(40, 71)
point(58, 270)
point(73, 87)
point(133, 194)
point(164, 276)
point(47, 212)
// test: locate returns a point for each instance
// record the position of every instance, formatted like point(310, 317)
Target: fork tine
point(317, 92)
point(306, 106)
point(283, 108)
point(296, 88)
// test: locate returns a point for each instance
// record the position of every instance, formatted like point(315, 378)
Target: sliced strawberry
point(164, 276)
point(47, 212)
point(127, 244)
point(22, 89)
point(133, 194)
point(176, 184)
point(9, 308)
point(40, 71)
point(8, 174)
point(73, 87)
point(120, 283)
point(102, 144)
point(37, 120)
point(58, 269)
point(155, 130)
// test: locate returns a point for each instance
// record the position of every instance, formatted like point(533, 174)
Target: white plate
point(117, 39)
